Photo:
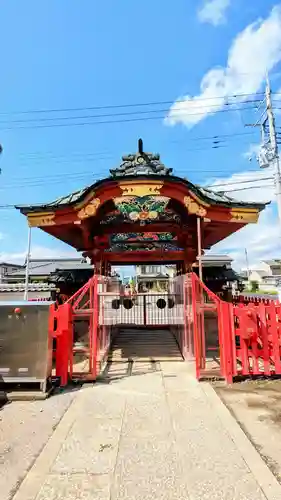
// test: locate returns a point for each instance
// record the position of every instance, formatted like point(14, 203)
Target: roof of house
point(215, 259)
point(44, 267)
point(260, 272)
point(273, 262)
point(148, 276)
point(11, 264)
point(243, 274)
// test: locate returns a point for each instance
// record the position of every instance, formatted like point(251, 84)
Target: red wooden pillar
point(95, 303)
point(199, 247)
point(227, 340)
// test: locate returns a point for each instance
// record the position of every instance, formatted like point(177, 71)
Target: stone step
point(144, 345)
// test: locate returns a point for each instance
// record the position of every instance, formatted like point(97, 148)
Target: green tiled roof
point(207, 195)
point(141, 165)
point(68, 199)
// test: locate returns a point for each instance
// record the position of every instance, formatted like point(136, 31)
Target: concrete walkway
point(149, 436)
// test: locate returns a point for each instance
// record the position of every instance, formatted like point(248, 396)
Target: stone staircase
point(144, 345)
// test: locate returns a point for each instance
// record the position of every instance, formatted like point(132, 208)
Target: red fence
point(209, 327)
point(225, 340)
point(60, 329)
point(251, 299)
point(257, 337)
point(240, 340)
point(92, 336)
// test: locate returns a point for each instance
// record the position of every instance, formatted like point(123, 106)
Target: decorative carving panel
point(193, 207)
point(89, 210)
point(41, 219)
point(130, 189)
point(247, 217)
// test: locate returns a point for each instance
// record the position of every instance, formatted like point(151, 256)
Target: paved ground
point(154, 435)
point(257, 407)
point(25, 427)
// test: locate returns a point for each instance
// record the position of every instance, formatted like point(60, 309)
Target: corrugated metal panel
point(32, 287)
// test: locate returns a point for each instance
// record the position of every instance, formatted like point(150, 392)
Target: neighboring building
point(7, 268)
point(217, 274)
point(41, 269)
point(46, 276)
point(154, 277)
point(267, 274)
point(36, 291)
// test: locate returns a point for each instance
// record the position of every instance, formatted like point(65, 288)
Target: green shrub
point(254, 286)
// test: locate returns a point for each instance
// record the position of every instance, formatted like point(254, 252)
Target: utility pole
point(274, 146)
point(247, 263)
point(25, 297)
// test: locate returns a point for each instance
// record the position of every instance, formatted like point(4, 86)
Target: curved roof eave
point(207, 195)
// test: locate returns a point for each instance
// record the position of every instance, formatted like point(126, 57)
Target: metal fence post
point(144, 310)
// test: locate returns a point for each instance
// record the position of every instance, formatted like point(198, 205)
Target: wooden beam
point(199, 247)
point(137, 228)
point(140, 257)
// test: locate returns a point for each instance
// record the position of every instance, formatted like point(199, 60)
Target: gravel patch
point(25, 427)
point(256, 404)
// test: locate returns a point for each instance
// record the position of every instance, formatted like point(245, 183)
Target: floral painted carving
point(141, 207)
point(89, 210)
point(193, 207)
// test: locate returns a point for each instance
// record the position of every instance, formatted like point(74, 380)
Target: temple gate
point(142, 213)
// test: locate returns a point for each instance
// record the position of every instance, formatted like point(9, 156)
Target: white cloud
point(254, 51)
point(37, 252)
point(252, 152)
point(262, 240)
point(213, 12)
point(247, 186)
point(277, 99)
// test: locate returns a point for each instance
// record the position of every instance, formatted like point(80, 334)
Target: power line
point(106, 122)
point(126, 105)
point(11, 206)
point(241, 182)
point(128, 113)
point(249, 187)
point(62, 177)
point(218, 137)
point(24, 161)
point(77, 157)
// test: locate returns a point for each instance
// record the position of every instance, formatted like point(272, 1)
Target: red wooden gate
point(225, 340)
point(240, 340)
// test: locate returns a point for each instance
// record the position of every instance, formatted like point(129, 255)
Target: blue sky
point(71, 54)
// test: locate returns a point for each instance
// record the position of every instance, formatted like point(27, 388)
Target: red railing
point(60, 329)
point(90, 335)
point(205, 326)
point(240, 339)
point(226, 340)
point(251, 299)
point(257, 333)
